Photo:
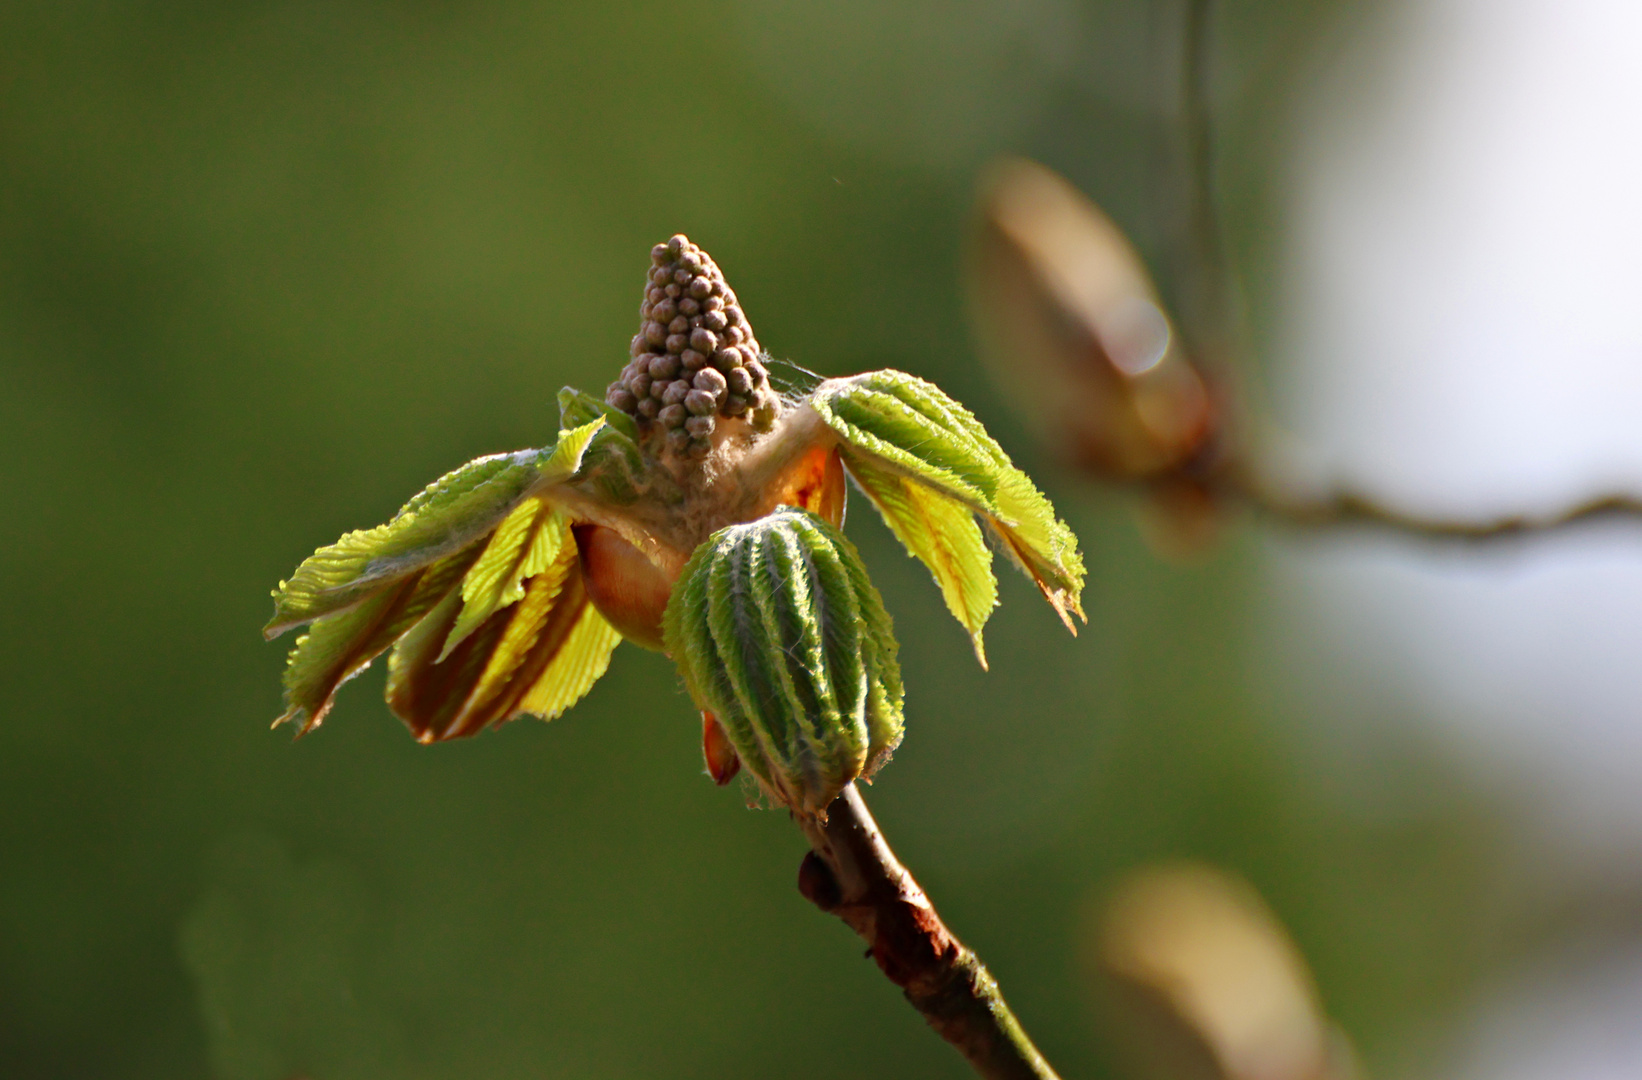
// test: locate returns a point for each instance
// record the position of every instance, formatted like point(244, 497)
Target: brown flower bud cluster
point(695, 359)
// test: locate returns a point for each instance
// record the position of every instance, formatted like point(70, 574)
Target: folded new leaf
point(538, 654)
point(927, 464)
point(779, 634)
point(445, 517)
point(467, 547)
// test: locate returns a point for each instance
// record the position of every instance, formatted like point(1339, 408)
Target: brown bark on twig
point(852, 873)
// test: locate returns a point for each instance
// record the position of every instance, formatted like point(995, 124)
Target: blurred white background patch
point(1578, 1016)
point(1463, 312)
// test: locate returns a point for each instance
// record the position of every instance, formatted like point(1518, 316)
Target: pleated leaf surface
point(453, 512)
point(889, 421)
point(780, 635)
point(941, 533)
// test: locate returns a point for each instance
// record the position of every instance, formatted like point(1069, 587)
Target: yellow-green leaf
point(492, 673)
point(942, 534)
point(900, 424)
point(550, 609)
point(452, 513)
point(340, 646)
point(581, 662)
point(523, 545)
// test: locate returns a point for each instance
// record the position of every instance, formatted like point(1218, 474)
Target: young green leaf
point(942, 534)
point(523, 545)
point(540, 654)
point(340, 646)
point(581, 661)
point(578, 408)
point(454, 511)
point(892, 423)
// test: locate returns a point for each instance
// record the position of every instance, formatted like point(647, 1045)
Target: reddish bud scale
point(627, 588)
point(722, 762)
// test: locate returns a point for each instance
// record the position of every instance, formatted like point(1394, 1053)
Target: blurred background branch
point(1203, 269)
point(1292, 505)
point(1146, 399)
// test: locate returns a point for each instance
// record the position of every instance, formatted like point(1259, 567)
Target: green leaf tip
point(781, 637)
point(931, 470)
point(578, 408)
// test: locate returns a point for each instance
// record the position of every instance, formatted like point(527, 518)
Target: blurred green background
point(267, 268)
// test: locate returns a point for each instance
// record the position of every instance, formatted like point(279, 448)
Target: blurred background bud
point(1074, 332)
point(1204, 982)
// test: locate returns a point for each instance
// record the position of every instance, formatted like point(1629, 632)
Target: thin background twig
point(1240, 477)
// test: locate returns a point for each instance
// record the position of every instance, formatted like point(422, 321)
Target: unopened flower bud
point(692, 326)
